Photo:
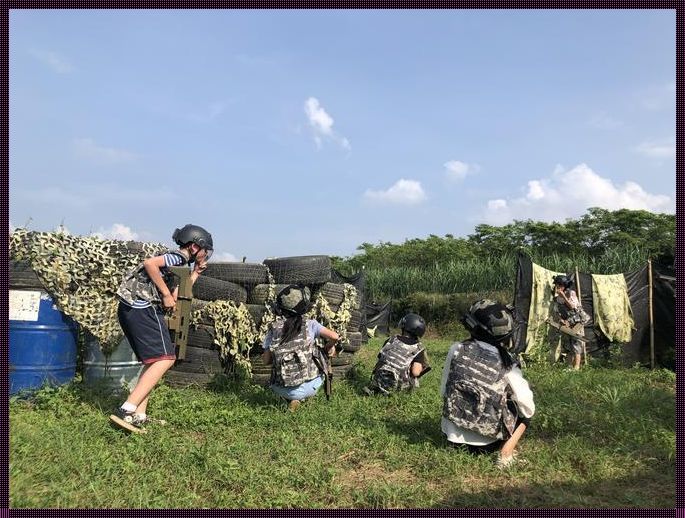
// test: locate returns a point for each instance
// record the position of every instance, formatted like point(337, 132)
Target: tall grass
point(493, 273)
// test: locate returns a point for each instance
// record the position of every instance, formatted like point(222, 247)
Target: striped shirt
point(169, 260)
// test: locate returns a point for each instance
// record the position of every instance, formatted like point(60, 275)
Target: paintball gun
point(179, 321)
point(566, 330)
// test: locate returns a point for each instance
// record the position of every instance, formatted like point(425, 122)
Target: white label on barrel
point(24, 305)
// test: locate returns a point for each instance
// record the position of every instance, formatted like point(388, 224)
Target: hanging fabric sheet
point(612, 311)
point(541, 301)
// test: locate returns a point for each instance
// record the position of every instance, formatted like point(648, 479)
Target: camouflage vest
point(293, 361)
point(391, 372)
point(476, 392)
point(572, 316)
point(137, 284)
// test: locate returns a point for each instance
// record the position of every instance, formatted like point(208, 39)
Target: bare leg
point(507, 450)
point(150, 376)
point(576, 361)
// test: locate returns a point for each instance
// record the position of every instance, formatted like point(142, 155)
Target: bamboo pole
point(580, 301)
point(651, 314)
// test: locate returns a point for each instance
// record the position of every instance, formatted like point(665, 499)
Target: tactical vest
point(391, 372)
point(572, 316)
point(137, 284)
point(293, 361)
point(476, 392)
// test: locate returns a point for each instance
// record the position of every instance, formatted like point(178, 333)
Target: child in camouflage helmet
point(144, 295)
point(487, 404)
point(402, 359)
point(289, 347)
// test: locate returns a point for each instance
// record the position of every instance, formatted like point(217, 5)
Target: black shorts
point(147, 333)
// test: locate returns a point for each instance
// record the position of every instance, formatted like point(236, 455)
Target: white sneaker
point(505, 462)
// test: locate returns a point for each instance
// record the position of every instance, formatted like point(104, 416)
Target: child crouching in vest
point(487, 405)
point(144, 295)
point(402, 360)
point(290, 348)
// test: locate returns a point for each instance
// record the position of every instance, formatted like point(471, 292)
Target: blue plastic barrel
point(42, 342)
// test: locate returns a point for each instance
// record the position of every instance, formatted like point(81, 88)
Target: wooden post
point(580, 301)
point(651, 314)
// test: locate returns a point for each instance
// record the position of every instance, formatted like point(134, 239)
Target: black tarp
point(663, 311)
point(378, 315)
point(637, 282)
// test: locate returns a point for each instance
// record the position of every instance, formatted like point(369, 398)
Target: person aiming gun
point(298, 366)
point(568, 311)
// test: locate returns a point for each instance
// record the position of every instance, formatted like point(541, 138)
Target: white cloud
point(457, 170)
point(87, 148)
point(568, 194)
point(117, 231)
point(53, 60)
point(322, 124)
point(664, 148)
point(403, 191)
point(604, 121)
point(224, 257)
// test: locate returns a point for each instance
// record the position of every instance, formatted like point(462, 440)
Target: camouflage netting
point(82, 274)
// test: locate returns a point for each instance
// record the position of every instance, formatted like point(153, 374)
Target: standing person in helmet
point(402, 360)
point(144, 295)
point(297, 363)
point(487, 405)
point(568, 311)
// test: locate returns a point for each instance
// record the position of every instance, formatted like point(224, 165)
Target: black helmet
point(293, 300)
point(563, 280)
point(413, 324)
point(193, 234)
point(490, 320)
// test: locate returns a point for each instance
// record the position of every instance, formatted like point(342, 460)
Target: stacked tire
point(230, 281)
point(315, 272)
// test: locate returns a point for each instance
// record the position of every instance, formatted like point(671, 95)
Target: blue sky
point(310, 132)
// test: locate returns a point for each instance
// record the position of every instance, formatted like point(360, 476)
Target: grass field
point(600, 438)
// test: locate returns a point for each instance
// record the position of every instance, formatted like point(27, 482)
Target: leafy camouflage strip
point(82, 274)
point(476, 392)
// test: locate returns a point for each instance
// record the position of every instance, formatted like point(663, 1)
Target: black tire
point(354, 342)
point(206, 288)
point(200, 360)
point(201, 336)
point(177, 378)
point(245, 274)
point(342, 359)
point(355, 320)
point(260, 292)
point(23, 277)
point(305, 269)
point(256, 312)
point(332, 293)
point(261, 379)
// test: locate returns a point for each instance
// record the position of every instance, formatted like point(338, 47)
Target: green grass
point(600, 438)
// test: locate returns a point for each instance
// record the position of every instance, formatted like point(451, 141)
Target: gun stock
point(179, 320)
